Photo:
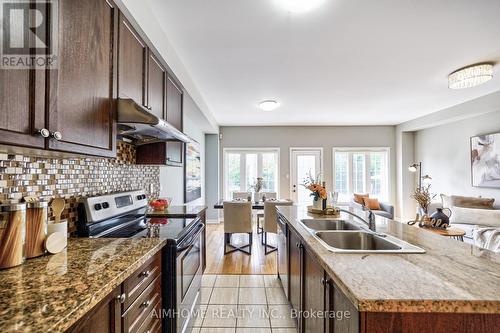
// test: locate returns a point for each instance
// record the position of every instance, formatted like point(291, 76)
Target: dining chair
point(260, 214)
point(237, 220)
point(242, 195)
point(271, 222)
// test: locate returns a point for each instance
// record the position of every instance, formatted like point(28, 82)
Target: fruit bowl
point(160, 204)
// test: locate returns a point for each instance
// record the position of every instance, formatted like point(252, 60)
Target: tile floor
point(243, 304)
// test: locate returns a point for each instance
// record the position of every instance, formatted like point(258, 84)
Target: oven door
point(188, 279)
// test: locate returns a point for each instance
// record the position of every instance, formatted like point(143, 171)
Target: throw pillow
point(467, 202)
point(359, 198)
point(484, 217)
point(372, 204)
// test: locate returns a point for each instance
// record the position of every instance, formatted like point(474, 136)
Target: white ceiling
point(350, 62)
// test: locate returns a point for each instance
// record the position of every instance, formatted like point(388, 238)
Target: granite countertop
point(50, 293)
point(184, 211)
point(451, 276)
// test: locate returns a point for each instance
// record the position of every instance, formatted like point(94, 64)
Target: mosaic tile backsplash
point(73, 178)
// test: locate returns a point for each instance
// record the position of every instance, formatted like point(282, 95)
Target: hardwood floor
point(238, 262)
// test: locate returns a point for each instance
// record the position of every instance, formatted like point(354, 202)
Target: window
point(361, 171)
point(243, 166)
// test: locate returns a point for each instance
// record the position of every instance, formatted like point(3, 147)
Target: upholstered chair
point(271, 222)
point(260, 214)
point(237, 220)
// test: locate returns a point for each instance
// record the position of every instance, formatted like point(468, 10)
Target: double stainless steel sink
point(348, 237)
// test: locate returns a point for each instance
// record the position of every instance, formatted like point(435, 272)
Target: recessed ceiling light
point(269, 105)
point(470, 76)
point(299, 6)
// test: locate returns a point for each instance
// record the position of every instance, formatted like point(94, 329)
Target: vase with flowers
point(318, 191)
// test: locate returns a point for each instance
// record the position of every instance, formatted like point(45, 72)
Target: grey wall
point(325, 137)
point(445, 153)
point(212, 175)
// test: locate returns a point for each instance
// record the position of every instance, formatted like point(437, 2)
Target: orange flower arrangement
point(315, 186)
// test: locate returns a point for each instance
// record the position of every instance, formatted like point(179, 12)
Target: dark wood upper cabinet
point(22, 103)
point(156, 87)
point(175, 150)
point(82, 89)
point(174, 104)
point(131, 64)
point(22, 107)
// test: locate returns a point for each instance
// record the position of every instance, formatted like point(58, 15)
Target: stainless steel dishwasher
point(283, 269)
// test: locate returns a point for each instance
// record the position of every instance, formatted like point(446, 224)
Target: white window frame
point(243, 178)
point(386, 150)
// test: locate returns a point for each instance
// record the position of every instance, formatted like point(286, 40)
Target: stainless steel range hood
point(138, 123)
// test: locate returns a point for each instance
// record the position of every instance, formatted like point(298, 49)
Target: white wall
point(326, 137)
point(445, 154)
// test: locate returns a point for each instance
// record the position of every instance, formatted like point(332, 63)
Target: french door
point(304, 162)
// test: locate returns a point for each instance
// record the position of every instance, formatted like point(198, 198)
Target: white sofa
point(468, 219)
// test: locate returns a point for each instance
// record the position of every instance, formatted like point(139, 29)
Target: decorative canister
point(12, 234)
point(36, 228)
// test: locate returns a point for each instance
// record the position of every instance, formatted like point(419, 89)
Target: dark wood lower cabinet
point(323, 307)
point(313, 309)
point(133, 307)
point(295, 277)
point(103, 318)
point(382, 322)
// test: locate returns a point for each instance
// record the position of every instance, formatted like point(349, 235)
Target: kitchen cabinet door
point(295, 278)
point(103, 318)
point(132, 56)
point(22, 102)
point(346, 316)
point(82, 89)
point(313, 295)
point(22, 107)
point(156, 87)
point(175, 150)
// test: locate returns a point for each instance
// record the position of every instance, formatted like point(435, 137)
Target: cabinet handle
point(150, 108)
point(298, 245)
point(325, 282)
point(121, 298)
point(43, 132)
point(146, 273)
point(56, 135)
point(146, 303)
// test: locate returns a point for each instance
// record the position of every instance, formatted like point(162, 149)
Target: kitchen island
point(452, 287)
point(54, 293)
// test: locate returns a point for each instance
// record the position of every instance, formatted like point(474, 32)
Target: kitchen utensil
point(12, 234)
point(36, 228)
point(57, 208)
point(55, 242)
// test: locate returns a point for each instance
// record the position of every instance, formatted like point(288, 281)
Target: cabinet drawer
point(152, 323)
point(138, 312)
point(137, 282)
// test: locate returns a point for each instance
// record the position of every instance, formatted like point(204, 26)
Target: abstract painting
point(485, 157)
point(193, 172)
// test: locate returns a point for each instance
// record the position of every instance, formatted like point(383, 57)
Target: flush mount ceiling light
point(470, 76)
point(299, 6)
point(269, 105)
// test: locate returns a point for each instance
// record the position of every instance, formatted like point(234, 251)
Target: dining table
point(256, 205)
